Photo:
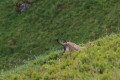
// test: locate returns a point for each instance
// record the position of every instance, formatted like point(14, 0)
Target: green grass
point(99, 61)
point(34, 32)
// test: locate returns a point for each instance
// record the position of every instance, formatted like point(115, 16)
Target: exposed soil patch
point(66, 5)
point(22, 6)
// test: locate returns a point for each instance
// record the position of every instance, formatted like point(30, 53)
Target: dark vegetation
point(100, 61)
point(34, 32)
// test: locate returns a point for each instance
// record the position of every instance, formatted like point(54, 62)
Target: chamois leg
point(66, 48)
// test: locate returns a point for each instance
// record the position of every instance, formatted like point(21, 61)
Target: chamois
point(69, 46)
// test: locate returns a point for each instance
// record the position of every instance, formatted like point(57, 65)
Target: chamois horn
point(65, 41)
point(60, 42)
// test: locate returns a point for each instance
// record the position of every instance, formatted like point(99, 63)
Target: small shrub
point(53, 56)
point(105, 76)
point(51, 62)
point(29, 72)
point(84, 68)
point(47, 77)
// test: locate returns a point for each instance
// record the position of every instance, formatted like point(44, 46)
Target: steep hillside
point(34, 32)
point(100, 61)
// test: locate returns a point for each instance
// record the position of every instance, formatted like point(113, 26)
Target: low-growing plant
point(96, 62)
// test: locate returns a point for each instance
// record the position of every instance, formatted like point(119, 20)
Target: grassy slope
point(34, 32)
point(100, 61)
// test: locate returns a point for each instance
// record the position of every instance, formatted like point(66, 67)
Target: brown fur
point(70, 46)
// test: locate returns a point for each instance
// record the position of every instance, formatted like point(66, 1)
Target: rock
point(24, 7)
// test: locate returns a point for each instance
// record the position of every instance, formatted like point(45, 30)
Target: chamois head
point(64, 44)
point(69, 46)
